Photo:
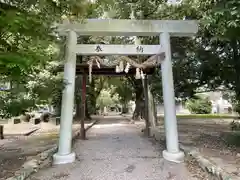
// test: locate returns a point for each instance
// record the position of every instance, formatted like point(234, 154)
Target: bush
point(14, 104)
point(236, 107)
point(231, 138)
point(235, 125)
point(45, 117)
point(202, 116)
point(25, 117)
point(199, 106)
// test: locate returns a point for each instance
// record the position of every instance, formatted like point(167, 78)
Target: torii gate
point(120, 27)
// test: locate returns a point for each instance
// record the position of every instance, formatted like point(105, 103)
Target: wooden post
point(146, 116)
point(1, 132)
point(78, 87)
point(82, 131)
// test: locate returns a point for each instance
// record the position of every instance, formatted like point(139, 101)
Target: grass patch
point(203, 116)
point(53, 135)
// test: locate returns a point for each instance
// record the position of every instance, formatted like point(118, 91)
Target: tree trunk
point(146, 105)
point(93, 102)
point(125, 108)
point(152, 110)
point(1, 132)
point(138, 110)
point(155, 112)
point(57, 111)
point(138, 113)
point(78, 109)
point(78, 100)
point(87, 114)
point(83, 104)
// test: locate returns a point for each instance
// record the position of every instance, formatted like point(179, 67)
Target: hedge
point(204, 116)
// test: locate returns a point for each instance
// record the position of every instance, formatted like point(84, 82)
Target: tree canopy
point(30, 50)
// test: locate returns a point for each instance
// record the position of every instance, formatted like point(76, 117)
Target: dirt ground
point(214, 140)
point(212, 137)
point(15, 150)
point(14, 153)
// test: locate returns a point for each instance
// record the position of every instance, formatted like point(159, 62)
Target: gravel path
point(116, 152)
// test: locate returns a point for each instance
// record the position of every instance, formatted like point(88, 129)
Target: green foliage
point(40, 88)
point(199, 106)
point(219, 32)
point(232, 138)
point(30, 50)
point(122, 88)
point(26, 31)
point(190, 58)
point(236, 108)
point(14, 104)
point(202, 116)
point(210, 59)
point(94, 89)
point(235, 125)
point(106, 100)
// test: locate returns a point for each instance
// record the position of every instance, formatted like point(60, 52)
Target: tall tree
point(121, 87)
point(28, 45)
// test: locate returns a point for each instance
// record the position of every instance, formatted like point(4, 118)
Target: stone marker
point(35, 120)
point(14, 120)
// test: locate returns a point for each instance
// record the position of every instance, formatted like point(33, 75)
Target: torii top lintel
point(128, 27)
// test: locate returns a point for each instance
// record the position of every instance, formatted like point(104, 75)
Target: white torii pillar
point(65, 154)
point(172, 153)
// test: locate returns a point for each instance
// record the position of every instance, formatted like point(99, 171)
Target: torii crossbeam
point(130, 27)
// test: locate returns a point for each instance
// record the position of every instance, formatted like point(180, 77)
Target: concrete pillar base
point(64, 159)
point(173, 157)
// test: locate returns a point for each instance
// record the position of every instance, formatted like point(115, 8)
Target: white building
point(219, 104)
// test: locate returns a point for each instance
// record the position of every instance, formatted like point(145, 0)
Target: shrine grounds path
point(117, 150)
